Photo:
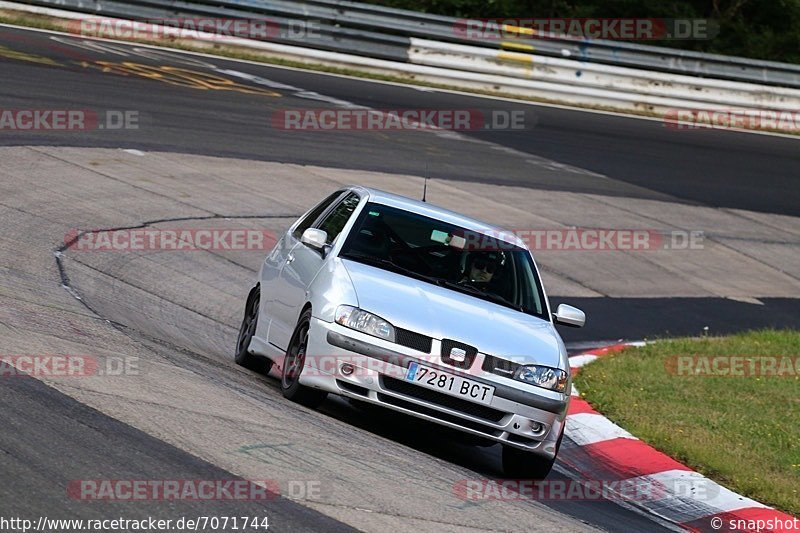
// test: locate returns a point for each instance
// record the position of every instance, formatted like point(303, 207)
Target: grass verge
point(741, 430)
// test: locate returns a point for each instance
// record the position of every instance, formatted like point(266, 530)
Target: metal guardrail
point(617, 53)
point(361, 44)
point(324, 37)
point(384, 33)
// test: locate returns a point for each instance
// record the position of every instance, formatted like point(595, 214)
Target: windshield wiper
point(390, 265)
point(469, 289)
point(466, 289)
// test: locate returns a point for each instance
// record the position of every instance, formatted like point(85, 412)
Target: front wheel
point(293, 366)
point(246, 331)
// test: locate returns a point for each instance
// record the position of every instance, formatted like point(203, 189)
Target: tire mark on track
point(66, 283)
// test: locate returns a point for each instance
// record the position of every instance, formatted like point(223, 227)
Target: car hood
point(443, 313)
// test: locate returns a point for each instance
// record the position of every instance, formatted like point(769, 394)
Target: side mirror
point(315, 238)
point(566, 315)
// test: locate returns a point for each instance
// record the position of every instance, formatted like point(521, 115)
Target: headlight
point(360, 320)
point(543, 376)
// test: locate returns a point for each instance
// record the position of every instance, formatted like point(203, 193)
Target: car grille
point(501, 367)
point(468, 352)
point(444, 400)
point(433, 413)
point(415, 341)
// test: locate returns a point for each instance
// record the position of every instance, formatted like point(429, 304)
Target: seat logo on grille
point(457, 354)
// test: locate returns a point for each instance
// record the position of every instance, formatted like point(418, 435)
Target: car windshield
point(446, 255)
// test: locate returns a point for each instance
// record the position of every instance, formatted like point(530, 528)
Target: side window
point(338, 217)
point(314, 214)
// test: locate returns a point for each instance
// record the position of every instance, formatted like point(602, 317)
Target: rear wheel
point(521, 464)
point(246, 332)
point(293, 366)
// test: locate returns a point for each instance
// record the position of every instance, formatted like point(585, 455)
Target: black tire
point(521, 464)
point(293, 366)
point(246, 332)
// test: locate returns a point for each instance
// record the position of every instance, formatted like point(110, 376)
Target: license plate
point(450, 384)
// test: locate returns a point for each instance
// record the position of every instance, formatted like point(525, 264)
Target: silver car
point(394, 302)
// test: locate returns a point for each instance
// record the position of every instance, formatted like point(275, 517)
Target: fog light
point(347, 369)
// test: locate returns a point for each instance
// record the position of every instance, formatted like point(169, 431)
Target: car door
point(301, 267)
point(272, 285)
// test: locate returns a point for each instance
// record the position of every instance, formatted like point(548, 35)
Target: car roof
point(439, 213)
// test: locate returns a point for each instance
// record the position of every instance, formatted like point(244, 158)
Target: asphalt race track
point(77, 438)
point(206, 154)
point(560, 150)
point(641, 158)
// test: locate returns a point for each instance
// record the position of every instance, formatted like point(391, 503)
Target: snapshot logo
point(181, 240)
point(753, 524)
point(207, 28)
point(127, 490)
point(582, 239)
point(66, 366)
point(751, 119)
point(625, 29)
point(397, 119)
point(67, 120)
point(734, 366)
point(630, 490)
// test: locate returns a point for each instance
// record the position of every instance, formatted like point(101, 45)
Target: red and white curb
point(687, 499)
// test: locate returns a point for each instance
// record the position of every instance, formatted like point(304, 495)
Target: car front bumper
point(517, 417)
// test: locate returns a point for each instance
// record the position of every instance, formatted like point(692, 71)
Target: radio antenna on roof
point(425, 184)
